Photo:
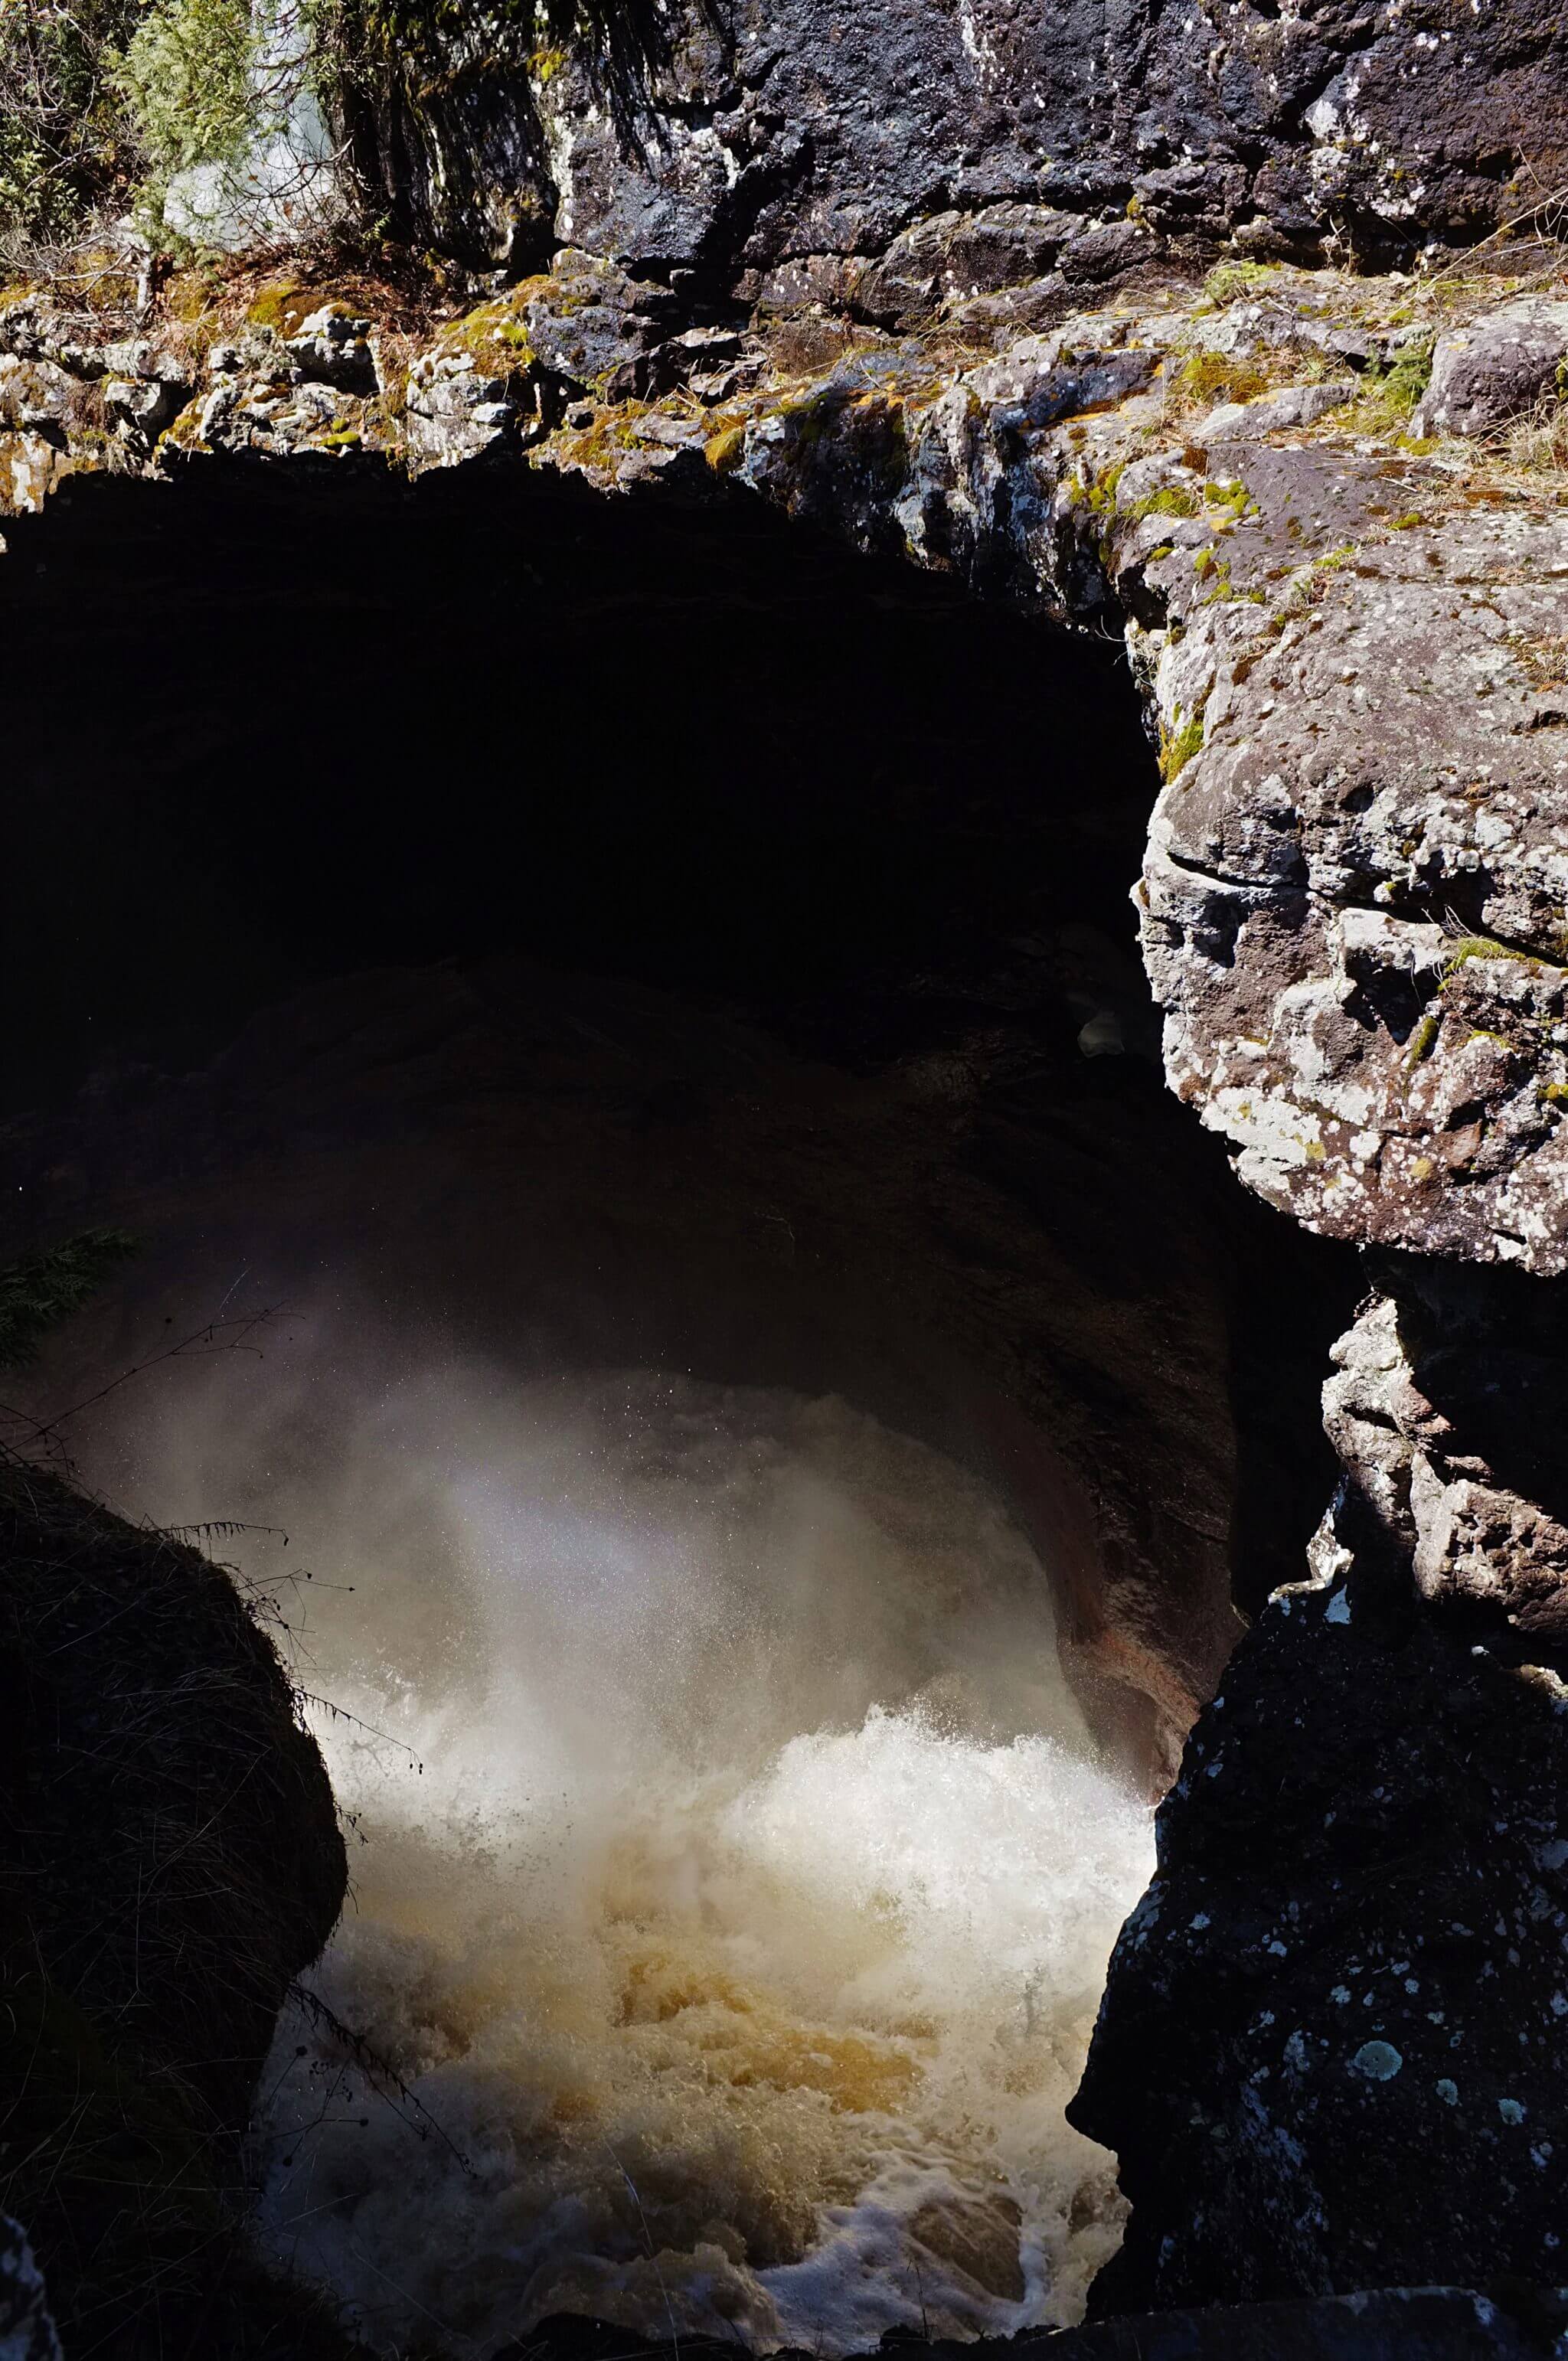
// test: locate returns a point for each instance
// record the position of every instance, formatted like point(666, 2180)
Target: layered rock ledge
point(1315, 507)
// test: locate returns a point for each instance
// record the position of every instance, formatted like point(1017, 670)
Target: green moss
point(496, 333)
point(1171, 499)
point(1232, 498)
point(724, 450)
point(1100, 493)
point(1388, 396)
point(279, 305)
point(1483, 947)
point(1229, 280)
point(1177, 746)
point(1218, 376)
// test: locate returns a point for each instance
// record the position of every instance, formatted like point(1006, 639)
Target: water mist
point(737, 1879)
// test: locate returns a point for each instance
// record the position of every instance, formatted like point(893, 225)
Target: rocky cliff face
point(780, 144)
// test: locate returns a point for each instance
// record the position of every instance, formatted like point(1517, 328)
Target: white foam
point(743, 1930)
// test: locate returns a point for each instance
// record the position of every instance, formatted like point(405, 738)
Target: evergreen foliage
point(186, 78)
point(45, 1288)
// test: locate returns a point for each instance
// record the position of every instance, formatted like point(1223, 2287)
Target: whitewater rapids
point(733, 1876)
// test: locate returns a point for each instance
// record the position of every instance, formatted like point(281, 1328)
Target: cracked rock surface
point(1352, 639)
point(1354, 1948)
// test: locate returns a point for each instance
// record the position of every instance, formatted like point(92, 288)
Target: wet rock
point(1347, 1979)
point(171, 1858)
point(1488, 373)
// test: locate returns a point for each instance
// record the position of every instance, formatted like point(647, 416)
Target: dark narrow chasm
point(262, 737)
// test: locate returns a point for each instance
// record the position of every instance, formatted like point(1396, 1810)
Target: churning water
point(729, 1937)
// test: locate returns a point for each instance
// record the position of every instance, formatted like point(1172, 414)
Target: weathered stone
point(455, 412)
point(1250, 422)
point(812, 128)
point(910, 280)
point(1107, 249)
point(1333, 2049)
point(1486, 374)
point(333, 349)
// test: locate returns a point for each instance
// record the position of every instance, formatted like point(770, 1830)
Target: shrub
point(186, 78)
point(66, 150)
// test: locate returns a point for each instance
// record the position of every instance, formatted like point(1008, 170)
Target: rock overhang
point(1351, 638)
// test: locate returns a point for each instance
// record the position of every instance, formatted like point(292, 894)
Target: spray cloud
point(744, 1928)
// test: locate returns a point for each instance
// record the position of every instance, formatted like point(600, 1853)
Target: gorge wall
point(932, 284)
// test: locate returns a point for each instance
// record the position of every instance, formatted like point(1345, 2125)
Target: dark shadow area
point(265, 736)
point(269, 739)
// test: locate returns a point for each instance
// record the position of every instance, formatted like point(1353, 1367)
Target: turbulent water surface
point(737, 1882)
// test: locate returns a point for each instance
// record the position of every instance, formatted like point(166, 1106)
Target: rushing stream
point(736, 1882)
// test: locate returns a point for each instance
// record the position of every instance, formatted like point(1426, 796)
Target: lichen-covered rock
point(1484, 375)
point(334, 348)
point(1333, 2049)
point(1354, 647)
point(716, 146)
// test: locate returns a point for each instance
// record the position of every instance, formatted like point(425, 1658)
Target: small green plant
point(1389, 395)
point(1171, 499)
point(1218, 377)
point(1423, 1039)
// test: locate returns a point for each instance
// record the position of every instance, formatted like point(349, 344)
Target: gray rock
point(1007, 246)
point(333, 349)
point(27, 2330)
point(1484, 374)
point(457, 412)
point(144, 406)
point(1293, 405)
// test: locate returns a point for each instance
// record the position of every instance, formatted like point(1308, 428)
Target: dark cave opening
point(714, 752)
point(651, 963)
point(261, 738)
